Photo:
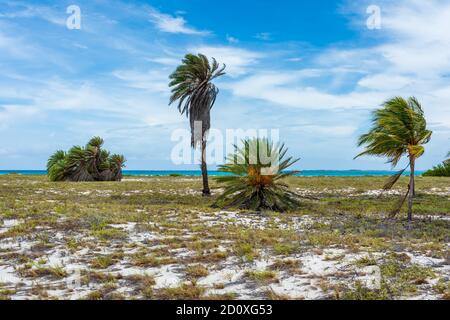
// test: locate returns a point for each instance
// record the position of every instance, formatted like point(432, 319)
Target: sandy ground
point(185, 253)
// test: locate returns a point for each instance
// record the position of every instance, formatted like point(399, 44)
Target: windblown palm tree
point(399, 128)
point(257, 169)
point(90, 163)
point(192, 87)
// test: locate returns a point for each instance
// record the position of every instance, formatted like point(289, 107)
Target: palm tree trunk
point(206, 191)
point(411, 188)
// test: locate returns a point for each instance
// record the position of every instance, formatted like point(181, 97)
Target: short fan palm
point(89, 163)
point(399, 128)
point(193, 89)
point(254, 178)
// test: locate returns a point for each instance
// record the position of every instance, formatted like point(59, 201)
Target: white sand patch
point(129, 226)
point(8, 275)
point(7, 224)
point(167, 276)
point(435, 217)
point(379, 192)
point(438, 191)
point(429, 261)
point(296, 287)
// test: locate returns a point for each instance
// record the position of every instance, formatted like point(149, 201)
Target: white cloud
point(414, 34)
point(151, 80)
point(31, 11)
point(166, 61)
point(412, 59)
point(411, 20)
point(167, 23)
point(296, 59)
point(125, 118)
point(265, 36)
point(231, 39)
point(4, 152)
point(15, 47)
point(326, 130)
point(236, 59)
point(385, 81)
point(284, 88)
point(11, 113)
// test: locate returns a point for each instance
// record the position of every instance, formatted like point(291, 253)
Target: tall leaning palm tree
point(191, 85)
point(399, 128)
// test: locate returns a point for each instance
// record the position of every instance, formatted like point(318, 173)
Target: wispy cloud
point(173, 24)
point(153, 80)
point(168, 61)
point(11, 113)
point(237, 60)
point(22, 10)
point(286, 89)
point(265, 36)
point(232, 39)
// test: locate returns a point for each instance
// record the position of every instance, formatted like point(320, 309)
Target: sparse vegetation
point(147, 238)
point(262, 276)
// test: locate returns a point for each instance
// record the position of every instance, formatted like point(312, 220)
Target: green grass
point(173, 225)
point(262, 276)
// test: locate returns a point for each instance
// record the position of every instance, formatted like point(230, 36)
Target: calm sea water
point(304, 173)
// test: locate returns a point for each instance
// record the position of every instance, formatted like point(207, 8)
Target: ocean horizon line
point(301, 173)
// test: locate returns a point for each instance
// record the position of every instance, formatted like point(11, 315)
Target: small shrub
point(262, 276)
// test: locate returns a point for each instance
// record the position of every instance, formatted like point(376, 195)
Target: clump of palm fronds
point(257, 169)
point(89, 163)
point(441, 170)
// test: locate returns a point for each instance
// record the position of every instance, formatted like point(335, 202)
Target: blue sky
point(310, 68)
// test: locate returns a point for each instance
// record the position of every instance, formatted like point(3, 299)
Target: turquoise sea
point(304, 173)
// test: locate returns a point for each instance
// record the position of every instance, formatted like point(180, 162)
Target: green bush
point(441, 170)
point(89, 163)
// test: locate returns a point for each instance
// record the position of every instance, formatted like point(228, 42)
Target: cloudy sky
point(312, 69)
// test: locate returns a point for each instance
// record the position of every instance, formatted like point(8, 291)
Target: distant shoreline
point(195, 173)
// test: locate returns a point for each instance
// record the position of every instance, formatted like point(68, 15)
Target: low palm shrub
point(441, 170)
point(89, 163)
point(256, 171)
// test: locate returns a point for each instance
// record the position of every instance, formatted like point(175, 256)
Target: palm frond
point(54, 158)
point(393, 179)
point(399, 205)
point(96, 142)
